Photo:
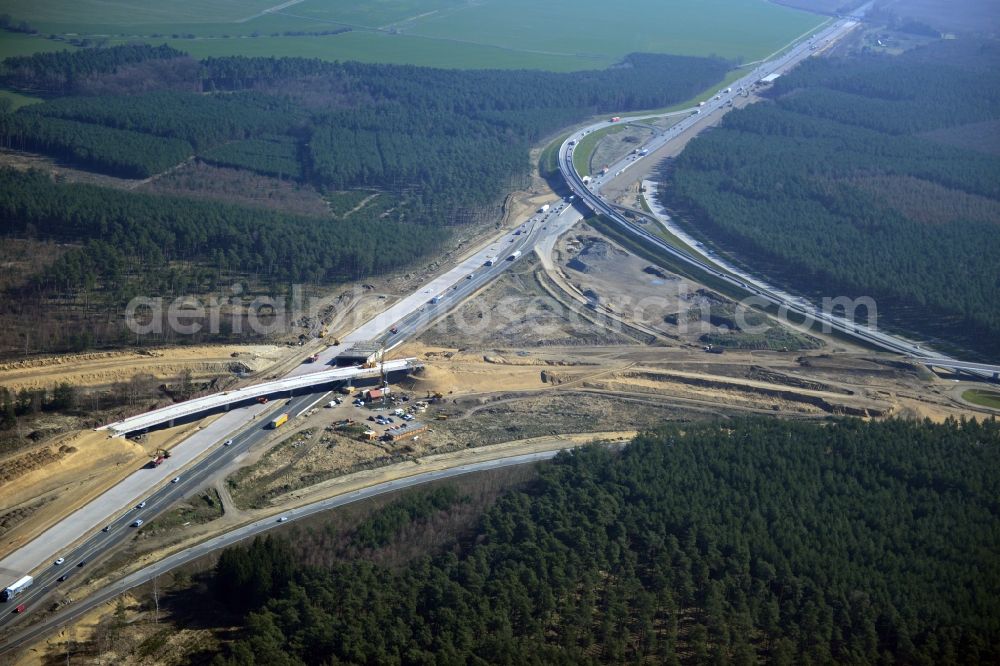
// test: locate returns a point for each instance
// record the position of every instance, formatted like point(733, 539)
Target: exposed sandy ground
point(103, 368)
point(92, 463)
point(81, 631)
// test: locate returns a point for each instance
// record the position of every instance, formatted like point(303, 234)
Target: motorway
point(589, 192)
point(202, 454)
point(410, 316)
point(119, 528)
point(148, 573)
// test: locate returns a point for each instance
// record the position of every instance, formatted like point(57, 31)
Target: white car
point(137, 523)
point(282, 519)
point(175, 479)
point(141, 504)
point(59, 561)
point(228, 442)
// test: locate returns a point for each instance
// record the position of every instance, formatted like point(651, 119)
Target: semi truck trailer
point(16, 588)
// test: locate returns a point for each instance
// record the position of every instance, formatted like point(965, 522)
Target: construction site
point(581, 340)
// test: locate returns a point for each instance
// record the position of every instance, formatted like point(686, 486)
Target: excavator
point(161, 455)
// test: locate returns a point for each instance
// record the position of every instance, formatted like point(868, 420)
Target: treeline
point(57, 71)
point(443, 147)
point(749, 541)
point(785, 184)
point(8, 23)
point(14, 404)
point(640, 81)
point(941, 85)
point(112, 151)
point(201, 120)
point(130, 240)
point(136, 136)
point(462, 135)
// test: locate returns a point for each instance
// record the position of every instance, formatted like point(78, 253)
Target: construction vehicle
point(161, 455)
point(16, 588)
point(279, 420)
point(322, 332)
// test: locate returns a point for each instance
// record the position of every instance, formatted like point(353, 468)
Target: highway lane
point(120, 528)
point(408, 316)
point(414, 313)
point(417, 313)
point(524, 239)
point(589, 191)
point(68, 614)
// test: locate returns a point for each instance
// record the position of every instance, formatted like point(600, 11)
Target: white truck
point(490, 261)
point(544, 209)
point(436, 299)
point(514, 256)
point(16, 588)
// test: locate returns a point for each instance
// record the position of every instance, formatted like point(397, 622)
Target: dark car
point(82, 562)
point(63, 577)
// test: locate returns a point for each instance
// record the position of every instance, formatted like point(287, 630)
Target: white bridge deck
point(223, 400)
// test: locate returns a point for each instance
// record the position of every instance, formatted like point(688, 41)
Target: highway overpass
point(223, 401)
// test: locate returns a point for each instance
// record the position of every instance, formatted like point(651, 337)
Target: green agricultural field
point(561, 35)
point(378, 47)
point(14, 44)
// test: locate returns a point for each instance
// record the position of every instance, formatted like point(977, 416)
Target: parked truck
point(514, 256)
point(544, 209)
point(16, 588)
point(279, 420)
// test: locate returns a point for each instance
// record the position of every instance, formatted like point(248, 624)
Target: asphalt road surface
point(70, 613)
point(120, 528)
